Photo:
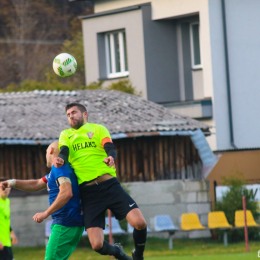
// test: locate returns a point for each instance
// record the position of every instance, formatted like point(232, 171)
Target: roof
point(40, 115)
point(115, 11)
point(237, 149)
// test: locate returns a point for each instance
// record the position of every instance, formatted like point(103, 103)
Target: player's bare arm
point(25, 185)
point(62, 199)
point(14, 238)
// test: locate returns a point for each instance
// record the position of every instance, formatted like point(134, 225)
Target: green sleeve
point(64, 140)
point(103, 133)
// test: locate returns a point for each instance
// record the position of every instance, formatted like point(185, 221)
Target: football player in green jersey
point(91, 152)
point(7, 235)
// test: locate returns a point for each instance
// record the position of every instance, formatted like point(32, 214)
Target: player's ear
point(52, 150)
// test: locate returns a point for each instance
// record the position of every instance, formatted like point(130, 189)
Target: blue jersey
point(69, 215)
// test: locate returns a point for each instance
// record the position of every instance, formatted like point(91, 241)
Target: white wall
point(172, 197)
point(243, 35)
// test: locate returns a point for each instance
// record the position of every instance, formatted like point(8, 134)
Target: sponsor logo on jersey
point(90, 135)
point(80, 146)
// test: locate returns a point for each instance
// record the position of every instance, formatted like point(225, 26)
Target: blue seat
point(116, 228)
point(130, 229)
point(164, 223)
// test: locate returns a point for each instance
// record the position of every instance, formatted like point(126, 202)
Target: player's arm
point(110, 151)
point(62, 199)
point(63, 157)
point(25, 185)
point(13, 237)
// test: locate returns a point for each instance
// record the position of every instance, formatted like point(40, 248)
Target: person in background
point(7, 235)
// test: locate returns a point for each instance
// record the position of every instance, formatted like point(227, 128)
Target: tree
point(31, 35)
point(232, 201)
point(124, 86)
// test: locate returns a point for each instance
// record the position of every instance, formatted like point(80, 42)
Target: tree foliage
point(31, 35)
point(232, 201)
point(124, 86)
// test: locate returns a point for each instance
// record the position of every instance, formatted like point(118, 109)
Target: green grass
point(157, 249)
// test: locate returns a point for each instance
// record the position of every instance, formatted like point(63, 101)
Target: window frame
point(111, 52)
point(198, 66)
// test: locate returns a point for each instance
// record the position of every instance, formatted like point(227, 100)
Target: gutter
point(231, 129)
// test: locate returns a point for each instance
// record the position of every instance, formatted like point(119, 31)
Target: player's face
point(75, 117)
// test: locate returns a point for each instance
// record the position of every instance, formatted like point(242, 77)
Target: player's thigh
point(96, 236)
point(120, 202)
point(136, 219)
point(62, 242)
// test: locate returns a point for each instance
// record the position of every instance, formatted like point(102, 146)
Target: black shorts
point(6, 253)
point(97, 198)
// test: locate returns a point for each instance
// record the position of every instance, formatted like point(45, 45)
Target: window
point(195, 45)
point(116, 54)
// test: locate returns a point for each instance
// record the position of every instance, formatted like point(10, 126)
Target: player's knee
point(97, 246)
point(140, 224)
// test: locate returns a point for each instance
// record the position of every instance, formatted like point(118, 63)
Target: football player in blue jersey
point(64, 205)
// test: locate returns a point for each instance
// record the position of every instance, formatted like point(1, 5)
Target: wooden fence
point(139, 159)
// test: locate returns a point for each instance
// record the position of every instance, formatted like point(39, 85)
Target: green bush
point(232, 201)
point(124, 86)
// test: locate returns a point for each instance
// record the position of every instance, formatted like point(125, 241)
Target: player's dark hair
point(79, 106)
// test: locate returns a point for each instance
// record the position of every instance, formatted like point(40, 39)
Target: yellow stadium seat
point(190, 221)
point(217, 219)
point(240, 220)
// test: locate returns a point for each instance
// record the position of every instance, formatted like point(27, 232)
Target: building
point(152, 143)
point(199, 58)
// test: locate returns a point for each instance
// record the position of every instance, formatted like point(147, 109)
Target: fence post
point(246, 233)
point(110, 229)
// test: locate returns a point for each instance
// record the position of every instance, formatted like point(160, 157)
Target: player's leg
point(94, 207)
point(137, 221)
point(62, 242)
point(6, 253)
point(123, 206)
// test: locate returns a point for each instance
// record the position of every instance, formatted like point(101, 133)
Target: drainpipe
point(231, 129)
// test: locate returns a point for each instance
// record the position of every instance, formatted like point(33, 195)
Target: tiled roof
point(40, 115)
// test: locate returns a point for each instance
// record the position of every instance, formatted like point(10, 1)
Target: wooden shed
point(152, 143)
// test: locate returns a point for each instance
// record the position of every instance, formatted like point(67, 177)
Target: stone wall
point(172, 197)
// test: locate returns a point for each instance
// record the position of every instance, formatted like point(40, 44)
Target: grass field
point(157, 249)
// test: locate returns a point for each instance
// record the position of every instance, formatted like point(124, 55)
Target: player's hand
point(39, 217)
point(3, 185)
point(109, 161)
point(1, 246)
point(58, 162)
point(14, 238)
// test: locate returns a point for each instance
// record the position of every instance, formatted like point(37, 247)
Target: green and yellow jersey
point(86, 151)
point(5, 222)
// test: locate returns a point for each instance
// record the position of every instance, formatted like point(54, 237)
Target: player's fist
point(58, 162)
point(1, 246)
point(109, 161)
point(39, 217)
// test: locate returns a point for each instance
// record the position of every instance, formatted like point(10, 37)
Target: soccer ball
point(64, 65)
